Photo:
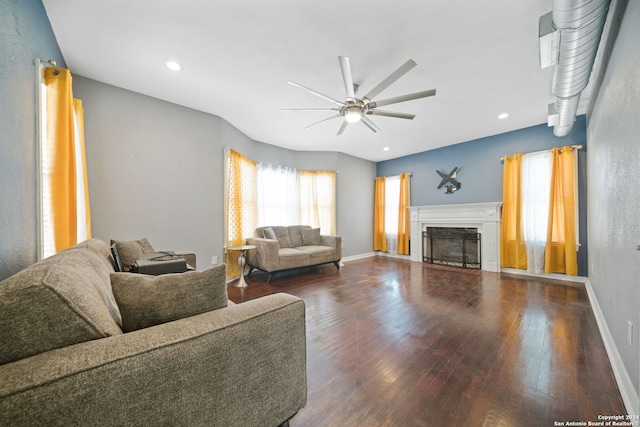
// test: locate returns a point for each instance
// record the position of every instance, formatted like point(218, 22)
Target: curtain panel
point(513, 252)
point(241, 205)
point(65, 194)
point(560, 254)
point(403, 216)
point(379, 234)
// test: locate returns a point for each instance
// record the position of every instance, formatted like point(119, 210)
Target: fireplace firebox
point(453, 246)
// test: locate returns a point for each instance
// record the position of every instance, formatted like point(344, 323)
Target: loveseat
point(83, 345)
point(281, 248)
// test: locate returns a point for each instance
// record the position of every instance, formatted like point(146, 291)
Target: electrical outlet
point(629, 332)
point(214, 260)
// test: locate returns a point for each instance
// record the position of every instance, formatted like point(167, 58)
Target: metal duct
point(579, 25)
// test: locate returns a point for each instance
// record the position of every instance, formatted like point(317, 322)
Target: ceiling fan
point(356, 109)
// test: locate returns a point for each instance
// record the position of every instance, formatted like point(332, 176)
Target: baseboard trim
point(356, 257)
point(554, 276)
point(629, 394)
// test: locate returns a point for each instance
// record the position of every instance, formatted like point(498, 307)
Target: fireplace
point(454, 246)
point(485, 217)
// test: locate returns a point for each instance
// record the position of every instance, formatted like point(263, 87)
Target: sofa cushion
point(131, 250)
point(319, 254)
point(292, 258)
point(282, 234)
point(150, 300)
point(60, 301)
point(311, 236)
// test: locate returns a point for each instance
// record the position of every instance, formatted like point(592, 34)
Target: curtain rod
point(51, 62)
point(47, 63)
point(384, 176)
point(573, 147)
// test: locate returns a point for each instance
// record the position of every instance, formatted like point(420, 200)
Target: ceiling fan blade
point(345, 67)
point(343, 127)
point(309, 109)
point(404, 69)
point(403, 98)
point(391, 114)
point(323, 120)
point(369, 124)
point(316, 93)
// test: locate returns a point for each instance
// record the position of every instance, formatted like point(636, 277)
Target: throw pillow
point(311, 236)
point(268, 233)
point(131, 250)
point(62, 300)
point(151, 300)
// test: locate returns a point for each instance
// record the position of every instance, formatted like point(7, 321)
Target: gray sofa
point(281, 248)
point(82, 345)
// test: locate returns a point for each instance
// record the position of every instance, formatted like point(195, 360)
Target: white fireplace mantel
point(483, 216)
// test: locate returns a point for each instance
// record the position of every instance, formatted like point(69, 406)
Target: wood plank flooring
point(399, 343)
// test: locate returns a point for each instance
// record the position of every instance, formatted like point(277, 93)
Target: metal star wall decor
point(449, 178)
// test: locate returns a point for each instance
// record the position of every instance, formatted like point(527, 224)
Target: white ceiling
point(237, 56)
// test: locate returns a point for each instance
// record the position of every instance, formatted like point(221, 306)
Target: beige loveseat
point(81, 345)
point(281, 248)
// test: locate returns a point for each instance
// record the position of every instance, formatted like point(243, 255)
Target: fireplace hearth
point(452, 246)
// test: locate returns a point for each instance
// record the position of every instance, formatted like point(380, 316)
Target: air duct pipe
point(578, 25)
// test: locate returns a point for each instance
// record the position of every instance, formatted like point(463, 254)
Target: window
point(536, 181)
point(259, 195)
point(539, 212)
point(391, 209)
point(277, 195)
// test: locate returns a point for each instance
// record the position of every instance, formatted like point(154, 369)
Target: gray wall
point(156, 171)
point(614, 191)
point(25, 34)
point(480, 170)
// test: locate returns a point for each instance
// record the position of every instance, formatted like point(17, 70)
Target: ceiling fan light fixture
point(353, 114)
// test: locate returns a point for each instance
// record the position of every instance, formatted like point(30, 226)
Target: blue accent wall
point(25, 35)
point(480, 169)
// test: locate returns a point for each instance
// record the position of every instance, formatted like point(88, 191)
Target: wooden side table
point(242, 260)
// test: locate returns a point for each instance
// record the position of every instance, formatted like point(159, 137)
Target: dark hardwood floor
point(399, 343)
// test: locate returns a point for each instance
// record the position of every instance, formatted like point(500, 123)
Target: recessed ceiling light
point(173, 65)
point(386, 148)
point(503, 116)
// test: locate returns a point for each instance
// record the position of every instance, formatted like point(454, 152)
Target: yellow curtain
point(63, 162)
point(242, 205)
point(379, 235)
point(513, 252)
point(403, 216)
point(560, 252)
point(317, 200)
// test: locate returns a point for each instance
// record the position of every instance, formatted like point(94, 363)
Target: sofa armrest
point(190, 257)
point(241, 365)
point(265, 255)
point(335, 242)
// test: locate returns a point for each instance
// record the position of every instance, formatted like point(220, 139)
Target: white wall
point(613, 131)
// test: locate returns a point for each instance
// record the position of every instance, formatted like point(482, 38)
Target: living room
point(154, 163)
